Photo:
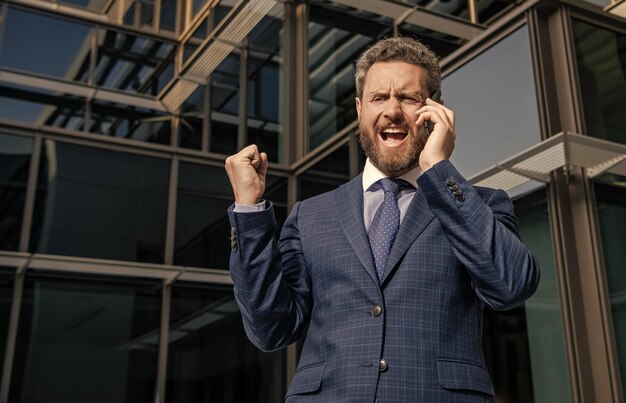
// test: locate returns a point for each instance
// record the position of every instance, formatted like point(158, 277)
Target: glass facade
point(115, 122)
point(611, 204)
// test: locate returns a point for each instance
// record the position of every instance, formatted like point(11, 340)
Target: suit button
point(382, 365)
point(450, 182)
point(454, 188)
point(377, 310)
point(457, 192)
point(460, 198)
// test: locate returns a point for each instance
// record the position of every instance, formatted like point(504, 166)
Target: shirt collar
point(371, 175)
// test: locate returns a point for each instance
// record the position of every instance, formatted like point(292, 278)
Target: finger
point(448, 113)
point(263, 164)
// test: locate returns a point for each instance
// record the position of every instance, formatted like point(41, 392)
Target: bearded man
point(385, 277)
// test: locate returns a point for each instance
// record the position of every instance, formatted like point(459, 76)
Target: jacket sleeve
point(271, 283)
point(484, 236)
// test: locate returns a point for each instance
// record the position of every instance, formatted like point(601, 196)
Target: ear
point(357, 102)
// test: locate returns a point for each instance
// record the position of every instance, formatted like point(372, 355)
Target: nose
point(393, 109)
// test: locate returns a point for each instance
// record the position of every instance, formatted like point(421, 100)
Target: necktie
point(385, 225)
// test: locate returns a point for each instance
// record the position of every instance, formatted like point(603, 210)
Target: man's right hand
point(246, 172)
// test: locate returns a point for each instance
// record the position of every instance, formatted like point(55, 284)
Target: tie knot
point(394, 185)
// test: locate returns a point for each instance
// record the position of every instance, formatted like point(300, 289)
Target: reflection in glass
point(601, 62)
point(336, 39)
point(439, 43)
point(264, 85)
point(131, 63)
point(100, 203)
point(63, 45)
point(202, 228)
point(129, 122)
point(541, 338)
point(611, 202)
point(192, 121)
point(6, 294)
point(225, 106)
point(497, 123)
point(15, 154)
point(331, 172)
point(83, 339)
point(210, 358)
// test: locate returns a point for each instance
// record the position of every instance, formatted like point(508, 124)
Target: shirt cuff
point(249, 208)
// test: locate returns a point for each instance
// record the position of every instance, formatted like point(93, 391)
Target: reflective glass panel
point(6, 294)
point(524, 347)
point(264, 85)
point(98, 6)
point(63, 45)
point(132, 63)
point(100, 203)
point(210, 358)
point(336, 39)
point(15, 154)
point(42, 107)
point(225, 106)
point(129, 122)
point(202, 228)
point(86, 339)
point(611, 204)
point(495, 99)
point(192, 121)
point(602, 74)
point(331, 172)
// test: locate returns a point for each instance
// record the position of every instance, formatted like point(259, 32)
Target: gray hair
point(399, 49)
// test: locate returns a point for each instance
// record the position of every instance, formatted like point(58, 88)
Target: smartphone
point(437, 98)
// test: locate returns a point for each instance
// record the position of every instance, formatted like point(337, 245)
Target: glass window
point(100, 203)
point(611, 204)
point(264, 86)
point(15, 154)
point(202, 227)
point(439, 43)
point(168, 15)
point(225, 106)
point(6, 295)
point(524, 347)
point(98, 6)
point(336, 40)
point(86, 339)
point(192, 121)
point(131, 63)
point(494, 99)
point(64, 45)
point(210, 358)
point(129, 122)
point(331, 172)
point(602, 74)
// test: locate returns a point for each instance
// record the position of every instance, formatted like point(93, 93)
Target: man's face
point(392, 93)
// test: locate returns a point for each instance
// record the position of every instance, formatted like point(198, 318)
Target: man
point(388, 314)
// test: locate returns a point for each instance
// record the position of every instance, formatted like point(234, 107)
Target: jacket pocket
point(307, 379)
point(464, 376)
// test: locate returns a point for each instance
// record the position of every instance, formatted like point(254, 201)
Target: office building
point(115, 120)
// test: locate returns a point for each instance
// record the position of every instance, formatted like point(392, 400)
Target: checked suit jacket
point(412, 336)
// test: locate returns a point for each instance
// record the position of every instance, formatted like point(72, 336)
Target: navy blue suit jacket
point(413, 336)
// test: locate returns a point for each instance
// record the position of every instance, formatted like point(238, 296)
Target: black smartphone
point(437, 98)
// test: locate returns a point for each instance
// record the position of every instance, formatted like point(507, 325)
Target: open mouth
point(393, 135)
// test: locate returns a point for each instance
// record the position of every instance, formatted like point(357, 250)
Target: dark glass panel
point(264, 86)
point(611, 203)
point(7, 279)
point(601, 62)
point(202, 228)
point(131, 63)
point(168, 15)
point(336, 39)
point(63, 45)
point(15, 155)
point(98, 6)
point(86, 339)
point(225, 105)
point(329, 173)
point(99, 203)
point(524, 347)
point(129, 122)
point(210, 358)
point(41, 107)
point(191, 127)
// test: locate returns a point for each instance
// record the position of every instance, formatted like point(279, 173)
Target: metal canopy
point(561, 151)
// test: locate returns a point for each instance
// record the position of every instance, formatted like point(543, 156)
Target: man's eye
point(411, 101)
point(377, 99)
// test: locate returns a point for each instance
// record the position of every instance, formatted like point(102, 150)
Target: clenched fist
point(246, 172)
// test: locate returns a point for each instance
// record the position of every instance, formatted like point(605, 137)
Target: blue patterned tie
point(385, 224)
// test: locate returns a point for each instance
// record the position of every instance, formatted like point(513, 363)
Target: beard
point(399, 159)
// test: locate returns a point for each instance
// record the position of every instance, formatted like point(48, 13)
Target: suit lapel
point(349, 201)
point(417, 217)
